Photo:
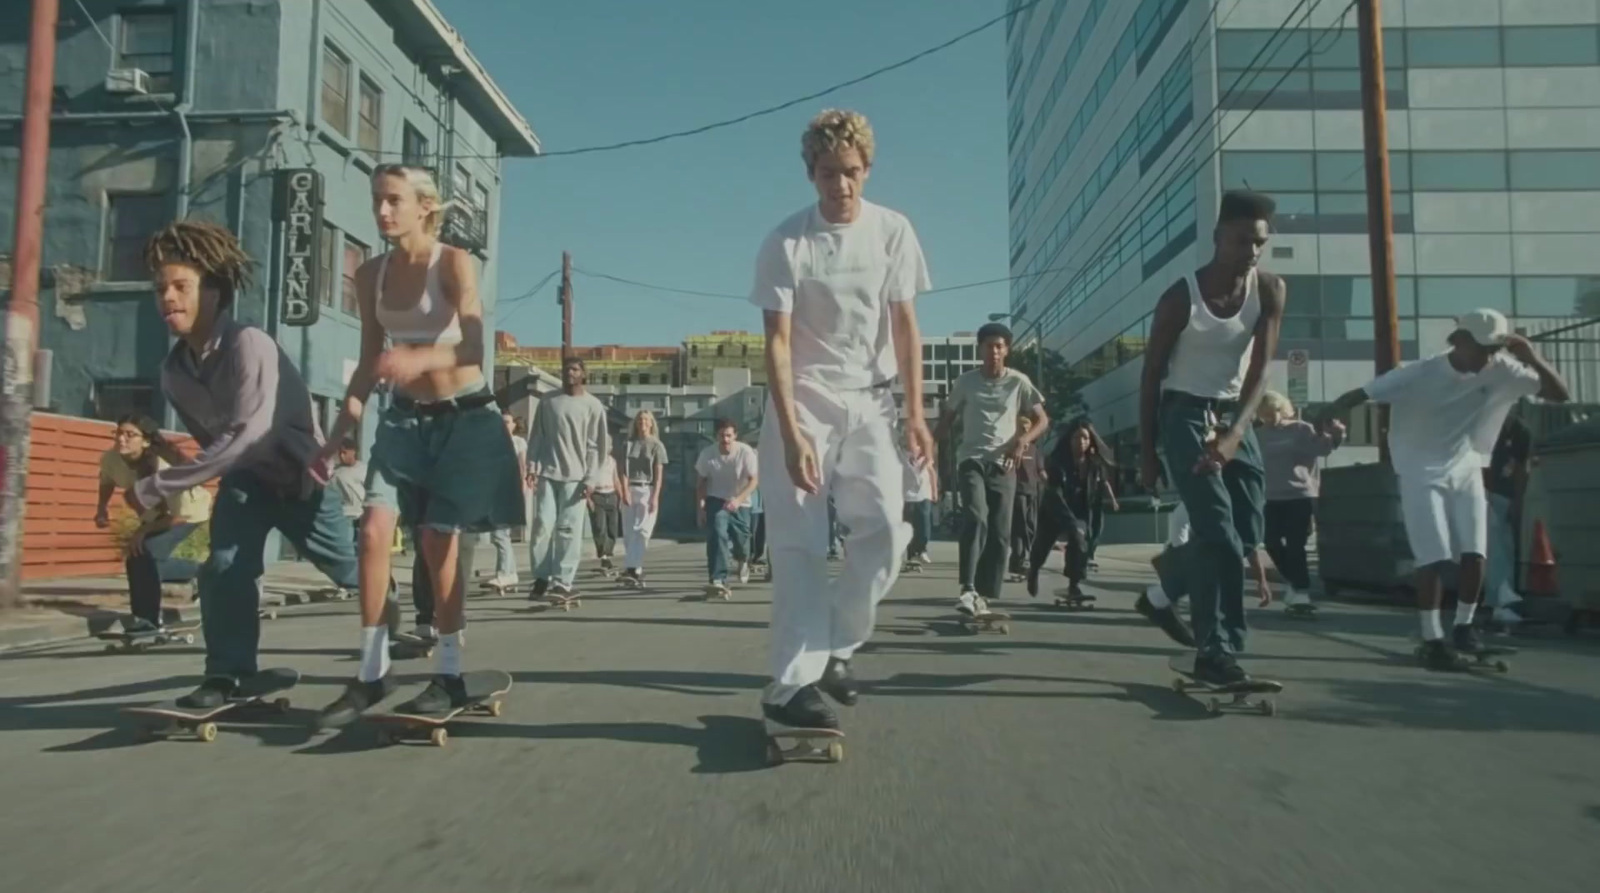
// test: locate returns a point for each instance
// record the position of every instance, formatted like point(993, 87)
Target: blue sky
point(691, 213)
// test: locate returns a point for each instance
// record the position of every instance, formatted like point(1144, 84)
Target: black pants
point(987, 491)
point(1024, 527)
point(1057, 520)
point(758, 537)
point(1288, 523)
point(154, 566)
point(605, 522)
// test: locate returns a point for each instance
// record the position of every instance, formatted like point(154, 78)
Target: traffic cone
point(1542, 566)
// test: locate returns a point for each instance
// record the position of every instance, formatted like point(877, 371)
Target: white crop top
point(431, 320)
point(1212, 354)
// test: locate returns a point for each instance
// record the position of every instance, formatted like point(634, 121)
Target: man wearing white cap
point(1447, 412)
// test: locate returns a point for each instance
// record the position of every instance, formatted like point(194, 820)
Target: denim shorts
point(447, 465)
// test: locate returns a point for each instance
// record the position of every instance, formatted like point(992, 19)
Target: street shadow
point(262, 723)
point(684, 682)
point(571, 617)
point(1163, 703)
point(1472, 703)
point(1593, 812)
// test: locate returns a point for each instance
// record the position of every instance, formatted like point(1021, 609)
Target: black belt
point(1215, 404)
point(883, 385)
point(445, 406)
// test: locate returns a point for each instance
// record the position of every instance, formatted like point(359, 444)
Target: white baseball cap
point(1485, 326)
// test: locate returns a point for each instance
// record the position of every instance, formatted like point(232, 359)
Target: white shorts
point(1445, 518)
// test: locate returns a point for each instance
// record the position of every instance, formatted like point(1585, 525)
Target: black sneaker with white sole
point(1219, 669)
point(353, 701)
point(539, 588)
point(443, 694)
point(839, 683)
point(1436, 654)
point(213, 692)
point(1166, 619)
point(805, 710)
point(1465, 639)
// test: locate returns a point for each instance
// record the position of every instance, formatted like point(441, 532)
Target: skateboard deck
point(200, 721)
point(499, 588)
point(911, 567)
point(628, 581)
point(564, 602)
point(1491, 657)
point(1301, 612)
point(809, 744)
point(1065, 599)
point(486, 690)
point(1184, 683)
point(998, 621)
point(713, 591)
point(124, 642)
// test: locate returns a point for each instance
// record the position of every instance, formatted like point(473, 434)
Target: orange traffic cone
point(1542, 566)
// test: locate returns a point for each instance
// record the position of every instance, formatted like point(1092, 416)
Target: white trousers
point(1445, 518)
point(638, 524)
point(814, 618)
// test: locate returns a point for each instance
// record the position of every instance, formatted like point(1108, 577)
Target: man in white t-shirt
point(988, 402)
point(727, 478)
point(1446, 412)
point(835, 284)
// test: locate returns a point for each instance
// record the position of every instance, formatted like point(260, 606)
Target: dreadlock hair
point(209, 248)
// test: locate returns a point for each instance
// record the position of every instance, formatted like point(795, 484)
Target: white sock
point(1464, 612)
point(374, 653)
point(450, 654)
point(1157, 597)
point(1432, 631)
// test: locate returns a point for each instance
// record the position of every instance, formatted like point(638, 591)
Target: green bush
point(195, 547)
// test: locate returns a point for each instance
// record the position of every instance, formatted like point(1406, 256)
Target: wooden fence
point(59, 538)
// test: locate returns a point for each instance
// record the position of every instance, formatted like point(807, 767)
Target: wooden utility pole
point(566, 305)
point(22, 314)
point(1380, 216)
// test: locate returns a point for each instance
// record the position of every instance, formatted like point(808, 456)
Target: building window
point(130, 221)
point(117, 397)
point(1453, 47)
point(327, 250)
point(413, 146)
point(335, 90)
point(1451, 296)
point(721, 349)
point(625, 378)
point(1564, 169)
point(1458, 171)
point(1556, 45)
point(146, 43)
point(369, 132)
point(355, 254)
point(644, 378)
point(461, 186)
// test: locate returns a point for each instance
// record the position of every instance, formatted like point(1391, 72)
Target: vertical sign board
point(298, 206)
point(1299, 377)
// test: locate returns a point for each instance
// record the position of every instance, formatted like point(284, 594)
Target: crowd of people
point(848, 474)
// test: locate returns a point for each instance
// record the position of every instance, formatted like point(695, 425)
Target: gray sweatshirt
point(248, 408)
point(569, 441)
point(1291, 453)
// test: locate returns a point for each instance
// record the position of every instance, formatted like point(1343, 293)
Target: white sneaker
point(425, 631)
point(982, 604)
point(744, 572)
point(1294, 598)
point(1507, 616)
point(968, 603)
point(922, 558)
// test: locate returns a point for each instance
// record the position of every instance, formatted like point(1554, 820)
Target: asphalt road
point(630, 758)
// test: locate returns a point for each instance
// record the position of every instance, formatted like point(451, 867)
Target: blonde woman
point(1291, 451)
point(441, 459)
point(646, 461)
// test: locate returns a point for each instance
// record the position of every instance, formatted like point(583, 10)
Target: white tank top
point(431, 320)
point(1212, 354)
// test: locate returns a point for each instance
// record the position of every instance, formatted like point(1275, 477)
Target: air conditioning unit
point(127, 82)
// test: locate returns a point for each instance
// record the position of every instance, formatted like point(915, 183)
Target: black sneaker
point(1219, 669)
point(213, 692)
point(806, 710)
point(1465, 640)
point(1167, 620)
point(540, 587)
point(357, 697)
point(1436, 654)
point(1033, 583)
point(838, 682)
point(443, 694)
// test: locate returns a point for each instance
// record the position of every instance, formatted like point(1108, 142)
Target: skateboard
point(1079, 602)
point(809, 744)
point(410, 646)
point(1016, 578)
point(1184, 682)
point(200, 721)
point(1490, 657)
point(124, 642)
point(629, 581)
point(499, 587)
point(997, 621)
point(564, 602)
point(486, 690)
point(1301, 612)
point(718, 591)
point(911, 567)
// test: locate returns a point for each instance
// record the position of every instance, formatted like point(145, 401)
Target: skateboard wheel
point(188, 639)
point(281, 705)
point(1268, 708)
point(495, 708)
point(439, 736)
point(386, 737)
point(206, 731)
point(1213, 705)
point(835, 752)
point(111, 649)
point(1004, 630)
point(1177, 684)
point(774, 753)
point(1500, 666)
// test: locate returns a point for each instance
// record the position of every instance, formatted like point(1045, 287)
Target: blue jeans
point(154, 566)
point(230, 580)
point(1225, 517)
point(919, 515)
point(727, 531)
point(559, 520)
point(1500, 578)
point(505, 561)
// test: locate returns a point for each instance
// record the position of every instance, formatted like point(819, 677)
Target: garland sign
point(298, 206)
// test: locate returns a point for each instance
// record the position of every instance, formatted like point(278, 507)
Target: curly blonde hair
point(211, 249)
point(836, 129)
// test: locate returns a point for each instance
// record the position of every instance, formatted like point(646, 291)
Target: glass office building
point(1129, 118)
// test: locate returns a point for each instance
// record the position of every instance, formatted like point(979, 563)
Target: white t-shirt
point(988, 409)
point(836, 281)
point(1444, 421)
point(725, 475)
point(918, 480)
point(1178, 529)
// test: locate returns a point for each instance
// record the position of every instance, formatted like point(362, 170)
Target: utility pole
point(22, 315)
point(566, 305)
point(1380, 217)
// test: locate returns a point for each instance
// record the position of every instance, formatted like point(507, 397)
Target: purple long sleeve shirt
point(1291, 454)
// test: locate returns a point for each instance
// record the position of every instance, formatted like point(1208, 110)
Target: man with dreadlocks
point(244, 402)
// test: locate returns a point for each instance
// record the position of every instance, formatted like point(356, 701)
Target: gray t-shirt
point(569, 440)
point(988, 410)
point(350, 482)
point(643, 457)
